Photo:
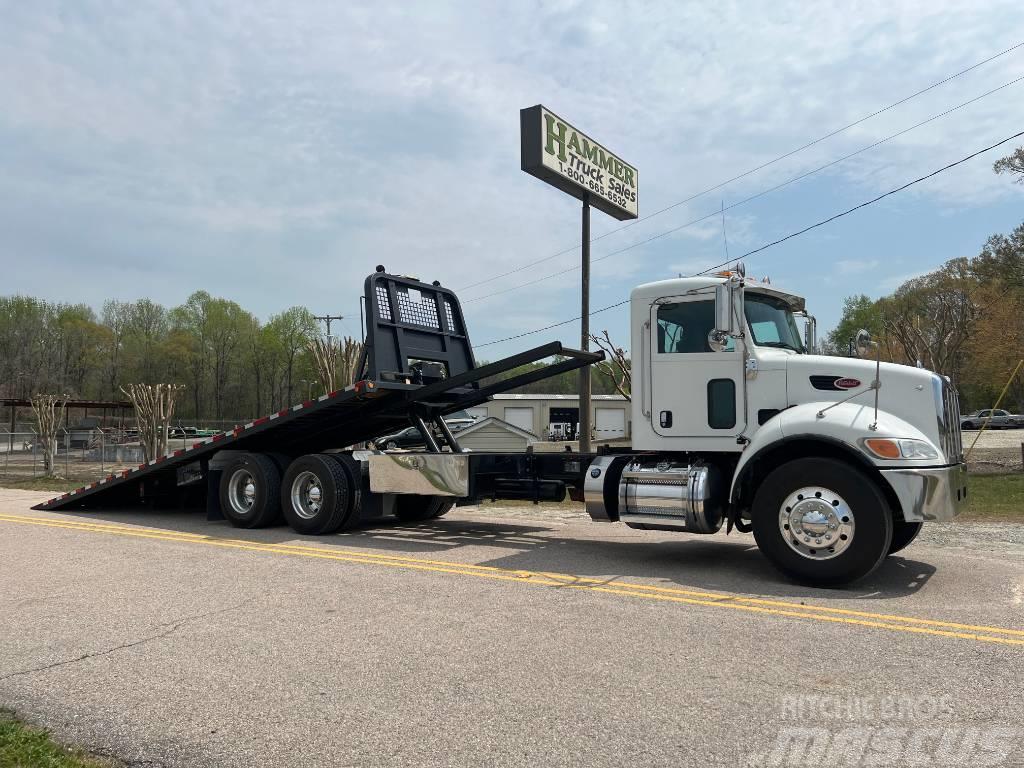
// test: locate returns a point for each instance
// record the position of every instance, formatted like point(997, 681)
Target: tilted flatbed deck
point(417, 367)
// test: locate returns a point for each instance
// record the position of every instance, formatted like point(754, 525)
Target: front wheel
point(902, 534)
point(822, 522)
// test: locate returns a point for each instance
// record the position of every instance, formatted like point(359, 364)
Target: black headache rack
point(417, 366)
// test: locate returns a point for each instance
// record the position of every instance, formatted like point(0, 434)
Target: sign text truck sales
point(561, 155)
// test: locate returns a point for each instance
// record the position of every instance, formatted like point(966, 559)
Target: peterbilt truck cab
point(833, 463)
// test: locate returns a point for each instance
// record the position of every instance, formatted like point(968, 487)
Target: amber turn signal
point(882, 448)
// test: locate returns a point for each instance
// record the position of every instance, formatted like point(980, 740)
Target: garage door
point(521, 417)
point(610, 422)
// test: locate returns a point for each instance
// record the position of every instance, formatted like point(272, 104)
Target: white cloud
point(242, 142)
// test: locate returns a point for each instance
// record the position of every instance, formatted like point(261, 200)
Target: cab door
point(695, 392)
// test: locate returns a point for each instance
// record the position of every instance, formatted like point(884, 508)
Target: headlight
point(888, 448)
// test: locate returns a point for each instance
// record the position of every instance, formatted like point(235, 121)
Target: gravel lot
point(997, 450)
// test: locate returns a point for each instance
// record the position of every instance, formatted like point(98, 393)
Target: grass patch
point(995, 498)
point(25, 747)
point(44, 484)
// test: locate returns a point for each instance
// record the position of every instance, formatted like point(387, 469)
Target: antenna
point(725, 237)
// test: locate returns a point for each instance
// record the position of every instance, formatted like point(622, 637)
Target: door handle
point(646, 369)
point(666, 419)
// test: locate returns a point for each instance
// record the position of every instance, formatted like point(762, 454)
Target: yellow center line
point(559, 579)
point(668, 594)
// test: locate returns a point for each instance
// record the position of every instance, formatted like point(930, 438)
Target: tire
point(443, 508)
point(840, 506)
point(391, 445)
point(902, 534)
point(320, 511)
point(250, 492)
point(968, 425)
point(281, 460)
point(415, 509)
point(354, 472)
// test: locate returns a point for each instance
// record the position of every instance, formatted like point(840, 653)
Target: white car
point(995, 418)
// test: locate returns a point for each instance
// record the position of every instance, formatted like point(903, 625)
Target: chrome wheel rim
point(307, 495)
point(241, 492)
point(816, 523)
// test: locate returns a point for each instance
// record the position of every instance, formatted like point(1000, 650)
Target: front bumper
point(929, 494)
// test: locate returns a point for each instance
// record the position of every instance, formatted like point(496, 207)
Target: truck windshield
point(772, 323)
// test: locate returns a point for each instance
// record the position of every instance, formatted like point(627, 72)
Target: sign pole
point(558, 154)
point(584, 435)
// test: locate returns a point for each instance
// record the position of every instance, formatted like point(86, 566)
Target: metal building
point(558, 415)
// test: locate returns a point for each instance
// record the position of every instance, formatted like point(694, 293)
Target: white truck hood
point(908, 393)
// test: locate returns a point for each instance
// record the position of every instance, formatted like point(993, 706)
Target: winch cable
point(999, 401)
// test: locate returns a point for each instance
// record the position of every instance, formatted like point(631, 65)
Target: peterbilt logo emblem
point(847, 383)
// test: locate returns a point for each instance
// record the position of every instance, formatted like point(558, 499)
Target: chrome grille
point(948, 403)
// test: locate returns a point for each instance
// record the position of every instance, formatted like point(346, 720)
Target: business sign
point(554, 151)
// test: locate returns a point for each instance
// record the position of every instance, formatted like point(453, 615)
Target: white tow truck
point(833, 463)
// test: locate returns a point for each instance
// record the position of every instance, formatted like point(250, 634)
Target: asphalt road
point(510, 637)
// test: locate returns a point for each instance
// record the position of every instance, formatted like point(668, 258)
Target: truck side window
point(684, 327)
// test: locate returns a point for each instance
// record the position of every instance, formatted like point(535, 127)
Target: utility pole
point(327, 319)
point(584, 435)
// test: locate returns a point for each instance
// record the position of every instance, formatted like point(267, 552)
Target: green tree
point(1012, 164)
point(293, 329)
point(858, 312)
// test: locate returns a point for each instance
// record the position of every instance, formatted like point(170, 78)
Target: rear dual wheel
point(320, 493)
point(250, 491)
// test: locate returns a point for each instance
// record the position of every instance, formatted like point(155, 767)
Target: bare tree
point(49, 412)
point(932, 317)
point(616, 365)
point(348, 359)
point(325, 355)
point(154, 407)
point(335, 364)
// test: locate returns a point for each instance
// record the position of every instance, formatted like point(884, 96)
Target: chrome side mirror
point(728, 313)
point(863, 343)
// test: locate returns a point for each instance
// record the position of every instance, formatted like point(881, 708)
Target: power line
point(755, 196)
point(866, 203)
point(809, 144)
point(787, 237)
point(553, 325)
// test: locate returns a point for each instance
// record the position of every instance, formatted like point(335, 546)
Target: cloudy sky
point(274, 152)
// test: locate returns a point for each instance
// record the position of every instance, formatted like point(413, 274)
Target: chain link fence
point(86, 453)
